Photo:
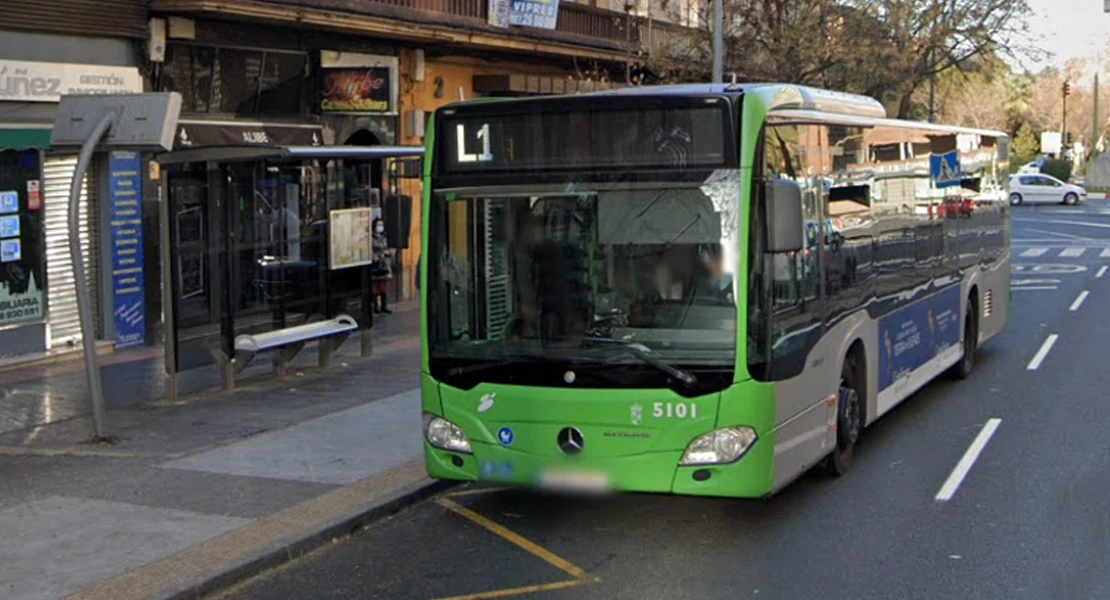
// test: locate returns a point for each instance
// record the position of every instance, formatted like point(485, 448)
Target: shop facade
point(292, 87)
point(38, 306)
point(373, 74)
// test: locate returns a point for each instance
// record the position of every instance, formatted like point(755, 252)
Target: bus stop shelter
point(265, 249)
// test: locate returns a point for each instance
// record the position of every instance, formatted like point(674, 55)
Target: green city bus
point(697, 289)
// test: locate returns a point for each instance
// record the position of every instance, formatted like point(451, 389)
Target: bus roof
point(779, 98)
point(782, 96)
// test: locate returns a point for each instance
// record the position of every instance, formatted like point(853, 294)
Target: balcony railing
point(576, 23)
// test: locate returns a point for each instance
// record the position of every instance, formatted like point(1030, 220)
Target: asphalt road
point(1028, 520)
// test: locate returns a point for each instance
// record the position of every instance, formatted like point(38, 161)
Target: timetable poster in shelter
point(356, 90)
point(125, 187)
point(914, 335)
point(540, 14)
point(352, 243)
point(21, 261)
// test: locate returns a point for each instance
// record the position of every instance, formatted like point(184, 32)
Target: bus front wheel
point(849, 419)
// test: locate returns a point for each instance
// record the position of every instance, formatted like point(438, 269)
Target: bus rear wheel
point(849, 420)
point(963, 369)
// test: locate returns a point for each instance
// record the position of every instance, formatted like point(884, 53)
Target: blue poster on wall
point(541, 14)
point(125, 188)
point(911, 337)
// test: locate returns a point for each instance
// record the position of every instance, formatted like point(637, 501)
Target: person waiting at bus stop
point(381, 271)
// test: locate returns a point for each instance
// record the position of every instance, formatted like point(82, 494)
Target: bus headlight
point(445, 435)
point(719, 447)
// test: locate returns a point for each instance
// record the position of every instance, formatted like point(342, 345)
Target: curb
point(342, 527)
point(221, 562)
point(54, 357)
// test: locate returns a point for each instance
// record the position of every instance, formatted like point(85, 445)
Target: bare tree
point(887, 49)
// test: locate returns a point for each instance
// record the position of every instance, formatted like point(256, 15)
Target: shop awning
point(24, 138)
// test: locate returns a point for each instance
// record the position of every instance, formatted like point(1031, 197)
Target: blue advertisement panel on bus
point(918, 333)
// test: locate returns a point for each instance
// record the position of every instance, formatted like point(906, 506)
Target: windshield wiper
point(643, 353)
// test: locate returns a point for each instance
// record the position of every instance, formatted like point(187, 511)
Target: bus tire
point(849, 418)
point(963, 369)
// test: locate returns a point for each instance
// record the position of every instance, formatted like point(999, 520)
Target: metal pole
point(88, 335)
point(1094, 124)
point(1064, 125)
point(718, 41)
point(169, 287)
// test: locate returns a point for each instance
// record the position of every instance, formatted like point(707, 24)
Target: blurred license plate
point(574, 481)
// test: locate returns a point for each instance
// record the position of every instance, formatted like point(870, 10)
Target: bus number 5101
point(674, 410)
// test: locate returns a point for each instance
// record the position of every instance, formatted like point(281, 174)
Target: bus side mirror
point(784, 216)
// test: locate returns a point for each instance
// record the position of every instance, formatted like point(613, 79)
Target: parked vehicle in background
point(1033, 167)
point(1042, 188)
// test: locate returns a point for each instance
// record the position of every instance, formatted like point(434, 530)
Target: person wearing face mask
point(381, 272)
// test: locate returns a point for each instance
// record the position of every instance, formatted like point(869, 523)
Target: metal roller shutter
point(62, 317)
point(108, 18)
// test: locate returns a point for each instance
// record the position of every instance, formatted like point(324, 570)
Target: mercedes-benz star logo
point(570, 441)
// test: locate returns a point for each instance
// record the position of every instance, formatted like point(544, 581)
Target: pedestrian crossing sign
point(944, 169)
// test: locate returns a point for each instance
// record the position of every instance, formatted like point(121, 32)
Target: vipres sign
point(27, 81)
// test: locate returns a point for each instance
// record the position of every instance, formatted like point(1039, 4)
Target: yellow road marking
point(540, 552)
point(517, 591)
point(476, 491)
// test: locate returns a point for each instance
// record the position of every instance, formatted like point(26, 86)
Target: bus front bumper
point(650, 472)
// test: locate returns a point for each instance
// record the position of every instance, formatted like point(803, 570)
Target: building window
point(237, 82)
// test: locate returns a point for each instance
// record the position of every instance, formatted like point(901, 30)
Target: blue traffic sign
point(505, 436)
point(944, 169)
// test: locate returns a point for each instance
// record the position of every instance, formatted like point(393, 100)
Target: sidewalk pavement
point(205, 492)
point(47, 393)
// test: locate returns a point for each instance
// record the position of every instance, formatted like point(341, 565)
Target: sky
point(1069, 29)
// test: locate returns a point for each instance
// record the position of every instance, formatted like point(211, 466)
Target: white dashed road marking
point(1073, 252)
point(964, 466)
point(1043, 352)
point(1079, 301)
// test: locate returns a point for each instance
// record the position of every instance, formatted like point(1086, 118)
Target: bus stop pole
point(88, 335)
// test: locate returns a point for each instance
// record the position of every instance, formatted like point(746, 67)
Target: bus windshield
point(530, 280)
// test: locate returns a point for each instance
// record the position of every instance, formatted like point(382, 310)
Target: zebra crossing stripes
point(1069, 252)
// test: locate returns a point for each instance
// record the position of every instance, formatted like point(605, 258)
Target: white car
point(1030, 187)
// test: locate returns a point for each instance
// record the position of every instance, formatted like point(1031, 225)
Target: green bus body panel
point(425, 228)
point(641, 458)
point(634, 463)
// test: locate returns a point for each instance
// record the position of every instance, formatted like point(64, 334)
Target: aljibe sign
point(26, 81)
